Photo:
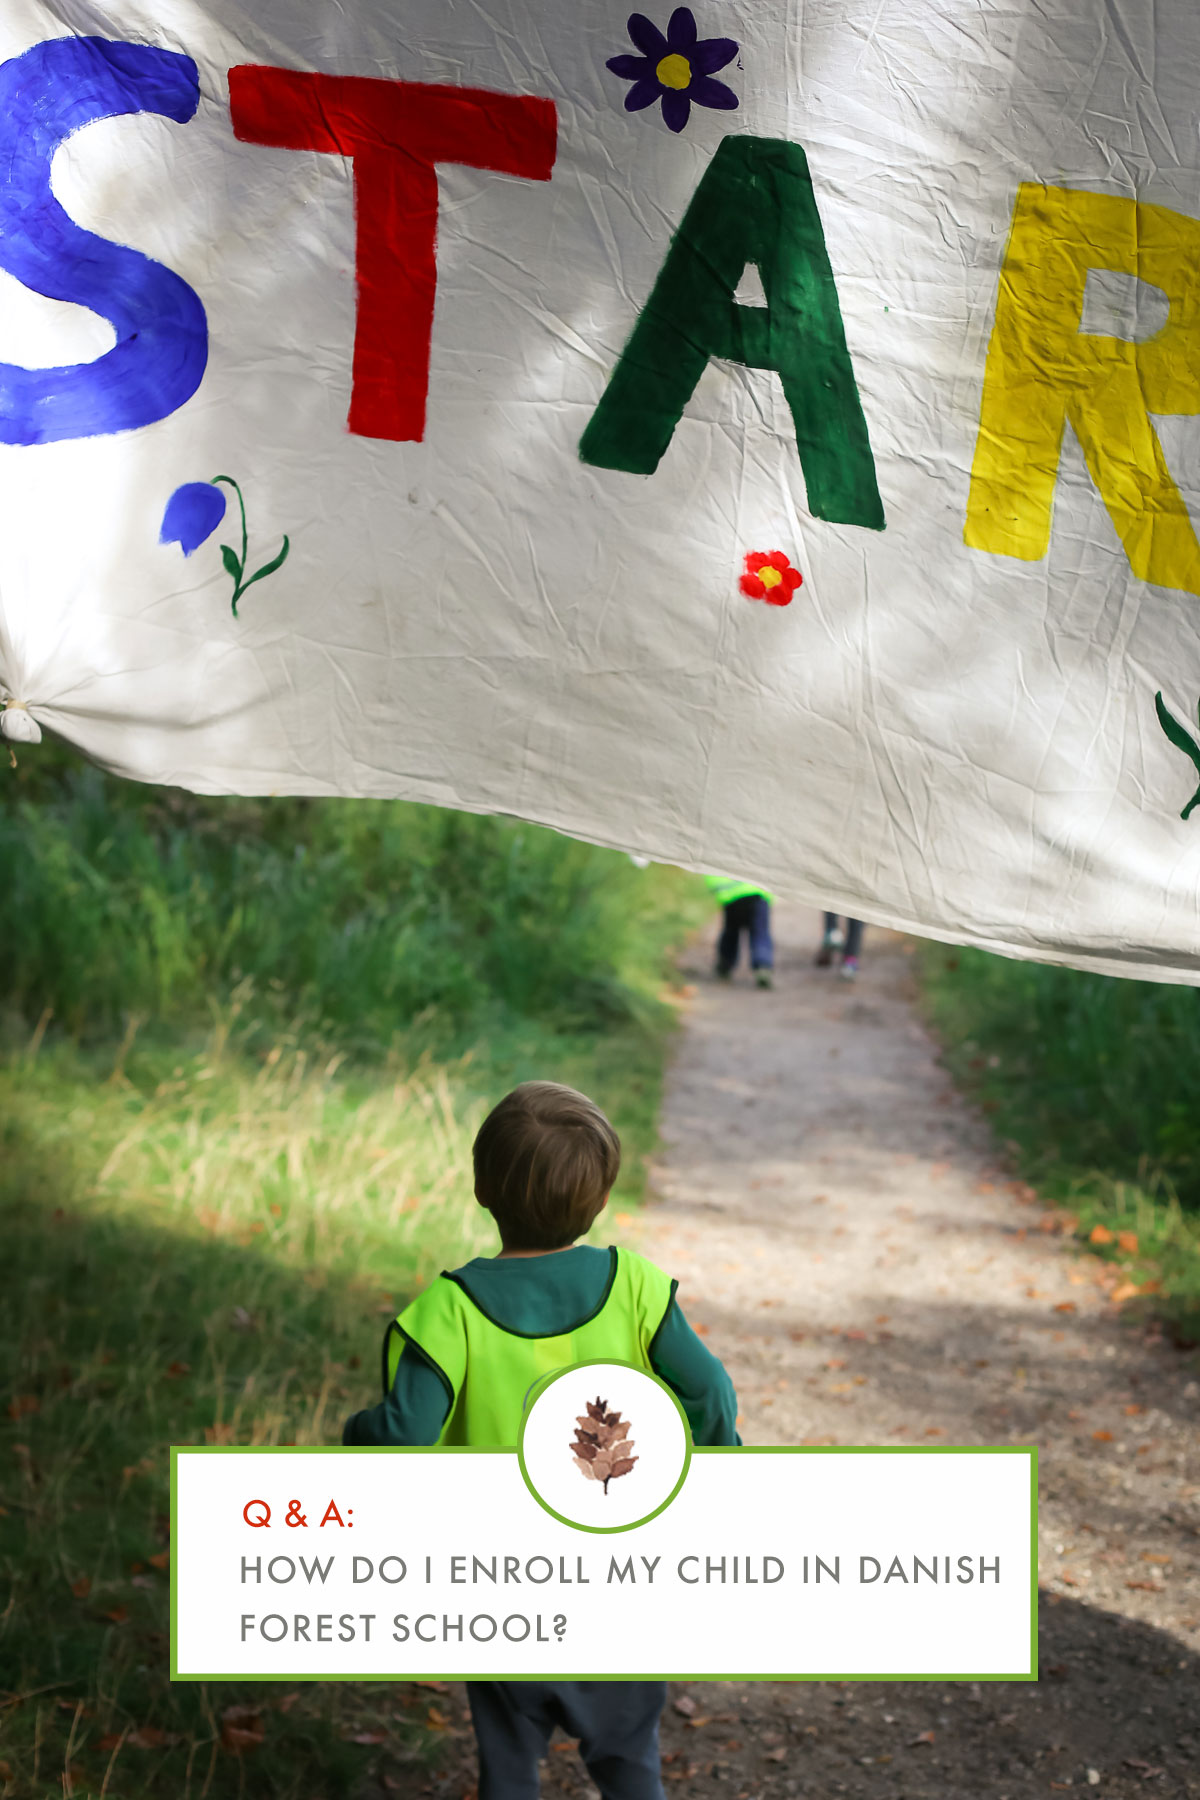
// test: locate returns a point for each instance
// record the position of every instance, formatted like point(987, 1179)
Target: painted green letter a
point(755, 204)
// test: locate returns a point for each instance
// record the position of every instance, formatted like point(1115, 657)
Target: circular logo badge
point(604, 1446)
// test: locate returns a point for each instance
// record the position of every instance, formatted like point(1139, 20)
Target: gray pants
point(616, 1723)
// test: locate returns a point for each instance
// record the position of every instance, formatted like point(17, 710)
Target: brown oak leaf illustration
point(602, 1443)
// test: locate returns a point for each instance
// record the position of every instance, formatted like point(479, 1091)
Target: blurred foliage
point(360, 918)
point(1088, 1078)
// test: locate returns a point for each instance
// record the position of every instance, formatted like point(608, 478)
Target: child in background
point(748, 909)
point(461, 1358)
point(850, 945)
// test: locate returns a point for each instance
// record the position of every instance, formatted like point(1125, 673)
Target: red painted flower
point(770, 576)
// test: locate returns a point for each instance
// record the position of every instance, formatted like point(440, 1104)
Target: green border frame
point(376, 1675)
point(602, 1362)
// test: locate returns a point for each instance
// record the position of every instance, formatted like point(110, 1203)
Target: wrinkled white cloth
point(928, 735)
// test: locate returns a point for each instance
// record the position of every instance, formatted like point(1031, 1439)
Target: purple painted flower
point(677, 69)
point(193, 513)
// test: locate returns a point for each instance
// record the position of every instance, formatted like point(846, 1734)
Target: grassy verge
point(1090, 1081)
point(227, 1154)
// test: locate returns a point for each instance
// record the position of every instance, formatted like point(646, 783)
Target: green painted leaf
point(1183, 740)
point(270, 568)
point(233, 567)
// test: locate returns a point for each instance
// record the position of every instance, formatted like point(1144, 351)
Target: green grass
point(1091, 1081)
point(246, 1047)
point(358, 920)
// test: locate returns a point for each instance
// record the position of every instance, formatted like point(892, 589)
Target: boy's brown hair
point(545, 1159)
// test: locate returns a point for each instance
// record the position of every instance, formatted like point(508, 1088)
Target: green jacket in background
point(726, 888)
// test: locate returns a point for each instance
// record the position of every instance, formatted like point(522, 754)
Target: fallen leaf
point(110, 1740)
point(81, 1588)
point(436, 1719)
point(179, 1368)
point(218, 1434)
point(1127, 1241)
point(776, 1756)
point(1065, 1306)
point(22, 1405)
point(149, 1737)
point(364, 1737)
point(1152, 1556)
point(698, 1721)
point(118, 1615)
point(1125, 1290)
point(1132, 1411)
point(565, 1746)
point(685, 1705)
point(437, 1687)
point(241, 1729)
point(923, 1737)
point(1103, 1437)
point(1147, 1587)
point(1100, 1234)
point(289, 1700)
point(160, 1560)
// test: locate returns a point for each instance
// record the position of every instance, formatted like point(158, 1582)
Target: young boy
point(460, 1360)
point(746, 908)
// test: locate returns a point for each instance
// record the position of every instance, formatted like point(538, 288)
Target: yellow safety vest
point(488, 1369)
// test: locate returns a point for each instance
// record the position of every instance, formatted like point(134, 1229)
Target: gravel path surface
point(847, 1237)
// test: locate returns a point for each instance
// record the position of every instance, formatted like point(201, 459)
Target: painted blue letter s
point(158, 360)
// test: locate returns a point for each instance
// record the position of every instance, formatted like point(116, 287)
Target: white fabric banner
point(411, 399)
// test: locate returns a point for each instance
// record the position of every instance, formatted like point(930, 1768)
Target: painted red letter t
point(396, 132)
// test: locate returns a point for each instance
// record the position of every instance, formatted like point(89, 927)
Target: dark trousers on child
point(854, 931)
point(616, 1723)
point(751, 914)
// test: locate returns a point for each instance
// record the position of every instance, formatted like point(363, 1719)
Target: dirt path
point(845, 1233)
point(843, 1229)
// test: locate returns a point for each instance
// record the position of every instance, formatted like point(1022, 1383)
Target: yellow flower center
point(770, 577)
point(674, 72)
